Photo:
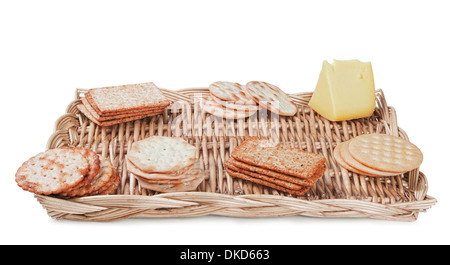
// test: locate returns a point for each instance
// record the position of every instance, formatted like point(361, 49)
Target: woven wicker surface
point(338, 193)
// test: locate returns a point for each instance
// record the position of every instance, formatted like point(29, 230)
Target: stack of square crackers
point(165, 164)
point(107, 106)
point(68, 172)
point(279, 167)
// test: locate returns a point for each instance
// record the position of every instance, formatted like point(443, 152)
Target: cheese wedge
point(345, 90)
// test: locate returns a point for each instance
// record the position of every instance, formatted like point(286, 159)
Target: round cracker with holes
point(385, 153)
point(94, 164)
point(162, 154)
point(229, 91)
point(214, 108)
point(53, 171)
point(100, 182)
point(346, 160)
point(271, 97)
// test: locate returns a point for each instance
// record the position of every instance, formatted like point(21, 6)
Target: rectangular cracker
point(83, 110)
point(126, 98)
point(247, 169)
point(267, 183)
point(87, 100)
point(99, 118)
point(276, 181)
point(286, 160)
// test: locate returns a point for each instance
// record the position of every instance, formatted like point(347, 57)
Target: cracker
point(94, 164)
point(189, 182)
point(230, 91)
point(344, 159)
point(162, 154)
point(123, 98)
point(88, 99)
point(83, 110)
point(174, 176)
point(235, 165)
point(98, 184)
point(234, 106)
point(263, 177)
point(52, 171)
point(267, 183)
point(271, 97)
point(213, 108)
point(385, 153)
point(286, 160)
point(99, 118)
point(108, 188)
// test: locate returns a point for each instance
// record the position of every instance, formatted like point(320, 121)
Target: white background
point(50, 48)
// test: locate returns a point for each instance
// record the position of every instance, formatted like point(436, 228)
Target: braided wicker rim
point(338, 193)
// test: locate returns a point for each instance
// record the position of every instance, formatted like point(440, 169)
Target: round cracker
point(229, 91)
point(52, 171)
point(385, 152)
point(271, 97)
point(162, 154)
point(99, 182)
point(234, 106)
point(190, 182)
point(109, 188)
point(172, 176)
point(355, 166)
point(94, 164)
point(213, 108)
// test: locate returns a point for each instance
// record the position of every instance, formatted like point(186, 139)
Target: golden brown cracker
point(235, 165)
point(282, 159)
point(277, 181)
point(267, 183)
point(344, 154)
point(386, 153)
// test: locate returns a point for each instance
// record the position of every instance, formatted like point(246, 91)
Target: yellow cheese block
point(345, 90)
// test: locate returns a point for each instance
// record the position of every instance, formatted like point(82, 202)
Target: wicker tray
point(338, 193)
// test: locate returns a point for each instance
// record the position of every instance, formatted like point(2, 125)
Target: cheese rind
point(345, 90)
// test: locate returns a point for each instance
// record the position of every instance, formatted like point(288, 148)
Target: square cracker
point(277, 181)
point(286, 160)
point(88, 101)
point(126, 98)
point(100, 118)
point(267, 183)
point(247, 169)
point(83, 110)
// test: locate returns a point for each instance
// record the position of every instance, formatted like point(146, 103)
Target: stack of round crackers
point(68, 172)
point(378, 155)
point(165, 164)
point(107, 106)
point(231, 100)
point(283, 168)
